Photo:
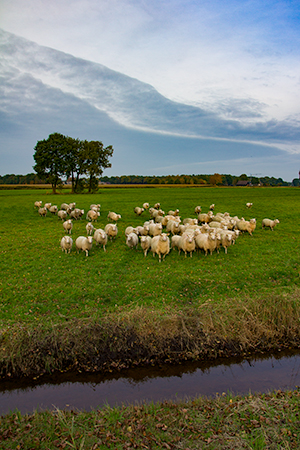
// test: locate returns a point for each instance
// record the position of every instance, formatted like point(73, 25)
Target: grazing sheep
point(187, 244)
point(142, 231)
point(95, 207)
point(113, 216)
point(226, 240)
point(205, 218)
point(53, 209)
point(212, 207)
point(101, 237)
point(160, 245)
point(157, 205)
point(173, 227)
point(246, 225)
point(77, 213)
point(43, 211)
point(111, 230)
point(157, 212)
point(197, 209)
point(132, 240)
point(138, 211)
point(38, 204)
point(155, 229)
point(92, 215)
point(89, 228)
point(189, 221)
point(84, 243)
point(269, 223)
point(47, 205)
point(146, 205)
point(62, 214)
point(173, 213)
point(175, 241)
point(66, 244)
point(129, 230)
point(145, 244)
point(206, 242)
point(64, 206)
point(249, 205)
point(68, 225)
point(72, 205)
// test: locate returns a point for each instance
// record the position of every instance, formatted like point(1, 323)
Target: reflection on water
point(90, 391)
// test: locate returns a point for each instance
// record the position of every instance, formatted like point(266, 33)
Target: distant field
point(39, 281)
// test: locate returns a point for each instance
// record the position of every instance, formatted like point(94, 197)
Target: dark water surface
point(90, 391)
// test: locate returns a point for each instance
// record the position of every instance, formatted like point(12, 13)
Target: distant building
point(243, 183)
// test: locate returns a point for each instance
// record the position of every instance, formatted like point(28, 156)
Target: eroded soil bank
point(142, 336)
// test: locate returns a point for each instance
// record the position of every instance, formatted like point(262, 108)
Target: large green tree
point(60, 156)
point(96, 160)
point(50, 158)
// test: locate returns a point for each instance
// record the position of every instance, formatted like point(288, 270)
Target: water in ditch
point(168, 382)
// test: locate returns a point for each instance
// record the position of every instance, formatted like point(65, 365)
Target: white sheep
point(92, 215)
point(95, 207)
point(89, 228)
point(111, 230)
point(197, 209)
point(160, 245)
point(53, 209)
point(72, 205)
point(113, 216)
point(145, 243)
point(269, 223)
point(173, 227)
point(155, 229)
point(66, 244)
point(138, 211)
point(249, 205)
point(189, 221)
point(43, 211)
point(62, 214)
point(212, 207)
point(157, 205)
point(142, 231)
point(132, 240)
point(246, 225)
point(101, 237)
point(173, 213)
point(77, 213)
point(84, 243)
point(175, 241)
point(47, 205)
point(187, 244)
point(68, 225)
point(146, 205)
point(38, 204)
point(205, 218)
point(206, 242)
point(226, 240)
point(64, 206)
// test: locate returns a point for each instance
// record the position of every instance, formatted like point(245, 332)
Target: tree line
point(213, 179)
point(61, 156)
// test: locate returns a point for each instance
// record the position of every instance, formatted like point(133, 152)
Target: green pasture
point(41, 283)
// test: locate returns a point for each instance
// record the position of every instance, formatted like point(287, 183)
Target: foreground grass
point(266, 421)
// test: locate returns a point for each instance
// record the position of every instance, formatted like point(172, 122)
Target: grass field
point(249, 296)
point(114, 309)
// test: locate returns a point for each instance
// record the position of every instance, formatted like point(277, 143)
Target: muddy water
point(90, 391)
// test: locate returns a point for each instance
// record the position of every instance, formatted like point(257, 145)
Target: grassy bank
point(268, 421)
point(134, 309)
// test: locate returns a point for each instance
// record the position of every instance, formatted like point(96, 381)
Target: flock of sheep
point(207, 232)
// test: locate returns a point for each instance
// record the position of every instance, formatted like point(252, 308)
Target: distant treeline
point(215, 179)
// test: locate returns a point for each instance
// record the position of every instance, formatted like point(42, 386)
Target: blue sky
point(218, 79)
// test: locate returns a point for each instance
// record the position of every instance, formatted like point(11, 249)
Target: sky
point(194, 86)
